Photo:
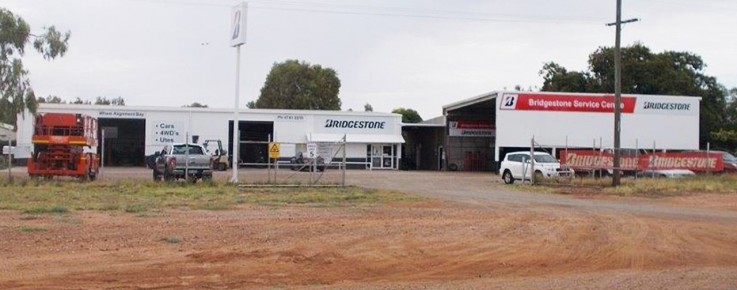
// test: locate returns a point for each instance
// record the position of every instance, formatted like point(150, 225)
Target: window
point(516, 157)
point(182, 149)
point(545, 158)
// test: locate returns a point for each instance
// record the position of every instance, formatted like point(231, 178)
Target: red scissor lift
point(59, 141)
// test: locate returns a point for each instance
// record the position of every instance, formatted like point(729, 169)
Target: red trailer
point(63, 145)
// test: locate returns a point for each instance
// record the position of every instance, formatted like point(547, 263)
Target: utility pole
point(618, 92)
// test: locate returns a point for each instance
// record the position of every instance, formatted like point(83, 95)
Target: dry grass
point(644, 187)
point(136, 196)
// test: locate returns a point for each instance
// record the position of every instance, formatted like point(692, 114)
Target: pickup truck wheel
point(207, 178)
point(507, 177)
point(156, 175)
point(168, 177)
point(222, 167)
point(84, 177)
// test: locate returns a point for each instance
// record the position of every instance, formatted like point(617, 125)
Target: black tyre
point(539, 176)
point(507, 177)
point(222, 167)
point(156, 175)
point(168, 177)
point(207, 178)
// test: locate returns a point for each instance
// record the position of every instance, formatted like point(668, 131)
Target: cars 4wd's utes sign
point(592, 159)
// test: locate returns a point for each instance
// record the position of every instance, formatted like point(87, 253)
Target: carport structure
point(470, 136)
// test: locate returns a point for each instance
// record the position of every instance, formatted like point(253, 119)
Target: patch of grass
point(135, 196)
point(322, 196)
point(31, 229)
point(56, 209)
point(214, 206)
point(172, 239)
point(70, 219)
point(135, 208)
point(647, 187)
point(148, 214)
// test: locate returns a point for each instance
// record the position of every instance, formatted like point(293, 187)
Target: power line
point(369, 10)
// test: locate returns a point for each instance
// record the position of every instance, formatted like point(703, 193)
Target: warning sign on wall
point(274, 150)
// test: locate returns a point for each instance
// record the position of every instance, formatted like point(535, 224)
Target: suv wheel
point(507, 177)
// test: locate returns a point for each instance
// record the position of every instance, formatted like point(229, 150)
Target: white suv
point(517, 164)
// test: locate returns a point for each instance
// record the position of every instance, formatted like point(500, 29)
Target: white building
point(482, 129)
point(373, 139)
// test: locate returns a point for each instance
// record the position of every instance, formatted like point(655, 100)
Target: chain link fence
point(295, 164)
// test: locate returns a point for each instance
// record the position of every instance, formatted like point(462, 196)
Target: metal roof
point(49, 106)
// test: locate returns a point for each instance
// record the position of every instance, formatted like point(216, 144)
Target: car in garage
point(517, 166)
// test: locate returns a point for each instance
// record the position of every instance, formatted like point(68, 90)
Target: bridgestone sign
point(591, 159)
point(330, 123)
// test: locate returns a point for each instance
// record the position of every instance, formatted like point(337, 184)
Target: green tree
point(79, 101)
point(51, 100)
point(299, 85)
point(119, 101)
point(368, 108)
point(195, 105)
point(16, 94)
point(645, 72)
point(408, 115)
point(558, 79)
point(727, 135)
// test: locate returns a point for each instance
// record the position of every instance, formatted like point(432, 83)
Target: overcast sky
point(403, 53)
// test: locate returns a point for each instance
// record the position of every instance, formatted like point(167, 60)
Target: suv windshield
point(545, 158)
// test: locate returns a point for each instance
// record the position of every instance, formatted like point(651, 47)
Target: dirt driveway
point(472, 233)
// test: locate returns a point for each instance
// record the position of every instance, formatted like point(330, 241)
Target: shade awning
point(356, 138)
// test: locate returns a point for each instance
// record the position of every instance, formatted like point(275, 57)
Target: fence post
point(637, 158)
point(653, 160)
point(532, 161)
point(10, 161)
point(344, 164)
point(708, 160)
point(268, 158)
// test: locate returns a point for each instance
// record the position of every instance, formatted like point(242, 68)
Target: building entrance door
point(382, 156)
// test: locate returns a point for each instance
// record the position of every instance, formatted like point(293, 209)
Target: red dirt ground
point(427, 244)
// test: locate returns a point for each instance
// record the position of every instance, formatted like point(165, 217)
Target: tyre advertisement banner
point(592, 159)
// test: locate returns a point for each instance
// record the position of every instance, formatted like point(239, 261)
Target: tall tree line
point(664, 73)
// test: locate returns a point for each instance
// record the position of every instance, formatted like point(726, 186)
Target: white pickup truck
point(179, 161)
